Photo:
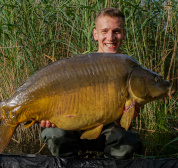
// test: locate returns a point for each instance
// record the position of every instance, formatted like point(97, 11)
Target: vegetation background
point(34, 33)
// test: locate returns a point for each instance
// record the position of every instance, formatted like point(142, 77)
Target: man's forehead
point(104, 21)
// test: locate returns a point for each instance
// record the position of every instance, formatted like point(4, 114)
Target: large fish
point(84, 92)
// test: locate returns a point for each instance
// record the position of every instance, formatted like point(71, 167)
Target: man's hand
point(47, 124)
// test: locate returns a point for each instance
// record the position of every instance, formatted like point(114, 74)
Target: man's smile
point(110, 45)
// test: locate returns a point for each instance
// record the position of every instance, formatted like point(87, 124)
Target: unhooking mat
point(43, 161)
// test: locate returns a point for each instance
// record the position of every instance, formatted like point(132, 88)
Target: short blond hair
point(110, 11)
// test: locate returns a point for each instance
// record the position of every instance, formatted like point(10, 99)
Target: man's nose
point(111, 36)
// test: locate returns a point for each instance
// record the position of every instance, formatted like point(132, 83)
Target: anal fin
point(92, 133)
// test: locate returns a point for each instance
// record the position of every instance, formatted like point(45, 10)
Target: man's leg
point(121, 144)
point(60, 142)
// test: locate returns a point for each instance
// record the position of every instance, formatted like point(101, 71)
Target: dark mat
point(43, 161)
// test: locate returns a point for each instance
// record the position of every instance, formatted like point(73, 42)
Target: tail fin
point(6, 133)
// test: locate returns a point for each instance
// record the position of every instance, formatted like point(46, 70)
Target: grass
point(35, 33)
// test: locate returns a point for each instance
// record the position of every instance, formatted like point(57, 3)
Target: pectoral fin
point(128, 114)
point(92, 133)
point(6, 133)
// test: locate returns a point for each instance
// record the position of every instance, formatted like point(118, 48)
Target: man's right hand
point(47, 124)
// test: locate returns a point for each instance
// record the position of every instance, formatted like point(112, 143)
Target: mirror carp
point(84, 92)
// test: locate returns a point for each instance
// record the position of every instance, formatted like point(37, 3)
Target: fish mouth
point(169, 94)
point(138, 106)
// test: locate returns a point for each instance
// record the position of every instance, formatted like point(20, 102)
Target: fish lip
point(161, 96)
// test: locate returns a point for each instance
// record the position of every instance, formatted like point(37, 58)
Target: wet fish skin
point(82, 93)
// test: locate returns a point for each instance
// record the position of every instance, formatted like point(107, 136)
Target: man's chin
point(110, 50)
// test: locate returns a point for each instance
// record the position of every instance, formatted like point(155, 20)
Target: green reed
point(35, 33)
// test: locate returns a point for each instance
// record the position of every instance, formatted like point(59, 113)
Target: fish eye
point(158, 79)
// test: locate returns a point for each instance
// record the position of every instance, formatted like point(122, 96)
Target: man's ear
point(95, 34)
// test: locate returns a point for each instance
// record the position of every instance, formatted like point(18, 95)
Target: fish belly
point(88, 106)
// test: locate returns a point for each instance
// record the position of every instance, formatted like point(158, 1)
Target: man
point(114, 141)
point(109, 31)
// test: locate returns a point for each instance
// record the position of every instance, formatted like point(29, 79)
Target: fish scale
point(82, 93)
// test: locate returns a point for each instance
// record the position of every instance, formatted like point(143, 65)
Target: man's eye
point(117, 32)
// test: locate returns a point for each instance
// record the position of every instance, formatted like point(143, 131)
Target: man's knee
point(49, 133)
point(60, 142)
point(121, 144)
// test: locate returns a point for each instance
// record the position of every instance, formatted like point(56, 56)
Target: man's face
point(109, 33)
